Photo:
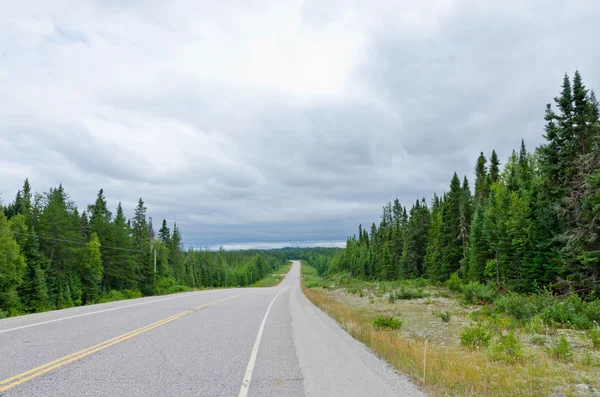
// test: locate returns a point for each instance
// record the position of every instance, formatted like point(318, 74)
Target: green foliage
point(475, 336)
point(537, 340)
point(475, 293)
point(388, 322)
point(114, 295)
point(595, 338)
point(520, 306)
point(444, 316)
point(454, 283)
point(561, 349)
point(406, 293)
point(52, 256)
point(508, 348)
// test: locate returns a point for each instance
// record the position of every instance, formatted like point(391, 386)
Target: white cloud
point(263, 121)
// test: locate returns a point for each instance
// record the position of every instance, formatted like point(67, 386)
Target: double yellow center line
point(42, 369)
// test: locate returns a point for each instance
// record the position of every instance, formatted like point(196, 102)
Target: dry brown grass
point(451, 370)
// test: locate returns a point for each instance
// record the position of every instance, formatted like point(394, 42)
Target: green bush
point(508, 348)
point(520, 306)
point(475, 336)
point(561, 349)
point(3, 314)
point(538, 340)
point(454, 283)
point(406, 293)
point(536, 324)
point(444, 316)
point(389, 322)
point(168, 285)
point(475, 292)
point(592, 311)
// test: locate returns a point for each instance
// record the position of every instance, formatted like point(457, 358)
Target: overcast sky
point(258, 123)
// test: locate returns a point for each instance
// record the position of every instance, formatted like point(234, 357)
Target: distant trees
point(53, 256)
point(535, 222)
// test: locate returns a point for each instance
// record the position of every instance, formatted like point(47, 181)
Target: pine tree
point(494, 168)
point(452, 247)
point(100, 219)
point(12, 269)
point(433, 253)
point(91, 270)
point(164, 234)
point(481, 187)
point(176, 255)
point(415, 241)
point(120, 268)
point(141, 241)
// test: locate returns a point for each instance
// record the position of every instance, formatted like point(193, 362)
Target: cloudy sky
point(265, 123)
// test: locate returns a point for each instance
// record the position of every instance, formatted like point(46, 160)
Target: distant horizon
point(273, 245)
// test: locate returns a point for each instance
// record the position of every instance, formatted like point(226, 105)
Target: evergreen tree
point(164, 234)
point(452, 247)
point(141, 242)
point(481, 180)
point(494, 168)
point(91, 270)
point(12, 269)
point(120, 267)
point(415, 241)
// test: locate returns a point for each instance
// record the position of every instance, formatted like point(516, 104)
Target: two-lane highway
point(229, 342)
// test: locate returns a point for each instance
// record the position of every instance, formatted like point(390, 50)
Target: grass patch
point(595, 338)
point(388, 322)
point(274, 278)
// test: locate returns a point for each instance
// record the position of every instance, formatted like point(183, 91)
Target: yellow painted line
point(42, 369)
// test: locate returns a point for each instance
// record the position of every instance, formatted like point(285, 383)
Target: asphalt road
point(228, 342)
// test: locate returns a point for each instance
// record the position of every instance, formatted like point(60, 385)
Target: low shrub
point(475, 292)
point(169, 285)
point(388, 322)
point(454, 283)
point(521, 307)
point(561, 349)
point(444, 316)
point(3, 314)
point(508, 348)
point(536, 325)
point(538, 340)
point(476, 336)
point(406, 293)
point(114, 295)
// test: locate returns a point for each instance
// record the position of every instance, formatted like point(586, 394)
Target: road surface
point(227, 342)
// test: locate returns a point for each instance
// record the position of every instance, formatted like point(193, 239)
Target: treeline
point(54, 256)
point(535, 222)
point(321, 258)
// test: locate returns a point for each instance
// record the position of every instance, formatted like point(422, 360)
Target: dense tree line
point(321, 258)
point(535, 222)
point(52, 255)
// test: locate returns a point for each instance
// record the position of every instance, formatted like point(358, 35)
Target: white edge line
point(96, 312)
point(250, 368)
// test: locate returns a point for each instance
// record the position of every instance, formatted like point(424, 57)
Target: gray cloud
point(258, 125)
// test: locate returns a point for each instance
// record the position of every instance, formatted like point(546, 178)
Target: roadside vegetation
point(55, 255)
point(474, 349)
point(501, 277)
point(274, 278)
